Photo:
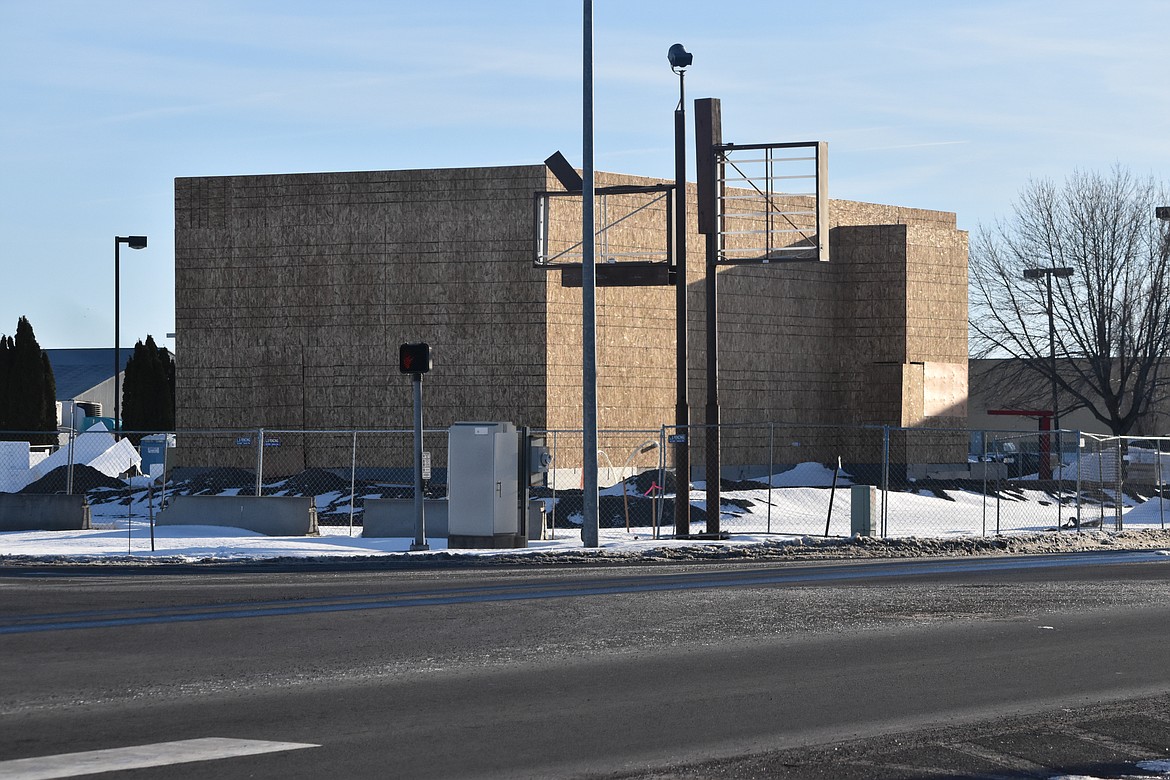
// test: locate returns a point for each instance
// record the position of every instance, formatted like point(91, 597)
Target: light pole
point(134, 242)
point(1048, 273)
point(589, 496)
point(680, 59)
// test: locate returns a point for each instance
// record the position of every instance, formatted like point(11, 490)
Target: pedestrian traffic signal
point(414, 358)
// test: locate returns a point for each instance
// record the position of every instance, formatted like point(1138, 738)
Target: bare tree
point(1111, 317)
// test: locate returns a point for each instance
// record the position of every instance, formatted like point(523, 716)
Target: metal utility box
point(153, 451)
point(490, 466)
point(483, 485)
point(864, 517)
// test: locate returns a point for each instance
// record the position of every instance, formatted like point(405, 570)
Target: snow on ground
point(805, 510)
point(799, 514)
point(780, 522)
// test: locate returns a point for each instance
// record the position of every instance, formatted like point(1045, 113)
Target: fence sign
point(243, 441)
point(677, 438)
point(272, 442)
point(426, 465)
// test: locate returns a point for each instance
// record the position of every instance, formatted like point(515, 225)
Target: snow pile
point(130, 541)
point(97, 449)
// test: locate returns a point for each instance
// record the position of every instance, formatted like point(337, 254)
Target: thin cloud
point(907, 146)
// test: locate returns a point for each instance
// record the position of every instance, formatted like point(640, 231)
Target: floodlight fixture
point(679, 58)
point(564, 171)
point(1063, 272)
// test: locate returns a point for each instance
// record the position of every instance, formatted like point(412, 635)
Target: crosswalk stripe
point(139, 757)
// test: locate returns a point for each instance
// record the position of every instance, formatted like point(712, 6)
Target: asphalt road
point(974, 668)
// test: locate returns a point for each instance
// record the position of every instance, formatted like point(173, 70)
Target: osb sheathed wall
point(845, 343)
point(293, 293)
point(635, 326)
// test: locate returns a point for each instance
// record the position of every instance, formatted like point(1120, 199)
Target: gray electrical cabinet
point(483, 480)
point(490, 467)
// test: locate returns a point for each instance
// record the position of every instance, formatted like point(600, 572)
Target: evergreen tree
point(49, 393)
point(148, 390)
point(27, 388)
point(5, 383)
point(167, 417)
point(132, 390)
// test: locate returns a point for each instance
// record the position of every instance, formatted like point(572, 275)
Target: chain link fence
point(634, 489)
point(798, 479)
point(790, 479)
point(1122, 481)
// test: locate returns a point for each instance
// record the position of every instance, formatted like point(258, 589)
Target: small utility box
point(863, 510)
point(153, 451)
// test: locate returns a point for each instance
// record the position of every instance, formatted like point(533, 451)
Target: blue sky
point(933, 104)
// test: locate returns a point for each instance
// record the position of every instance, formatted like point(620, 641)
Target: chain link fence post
point(1161, 498)
point(352, 480)
point(69, 469)
point(885, 480)
point(659, 500)
point(1059, 481)
point(983, 461)
point(771, 468)
point(1119, 496)
point(553, 482)
point(1100, 448)
point(1079, 448)
point(259, 461)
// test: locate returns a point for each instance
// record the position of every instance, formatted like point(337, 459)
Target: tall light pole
point(1047, 274)
point(134, 242)
point(589, 495)
point(680, 59)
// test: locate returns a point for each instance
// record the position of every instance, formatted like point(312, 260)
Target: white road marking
point(140, 757)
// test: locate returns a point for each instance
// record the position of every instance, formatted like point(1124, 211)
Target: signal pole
point(415, 359)
point(679, 60)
